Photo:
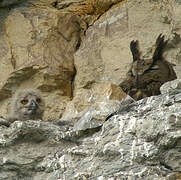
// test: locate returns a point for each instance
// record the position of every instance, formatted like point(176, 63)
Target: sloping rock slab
point(141, 141)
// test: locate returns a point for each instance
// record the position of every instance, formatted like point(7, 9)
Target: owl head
point(145, 76)
point(27, 104)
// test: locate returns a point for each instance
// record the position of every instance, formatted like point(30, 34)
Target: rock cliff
point(77, 53)
point(140, 141)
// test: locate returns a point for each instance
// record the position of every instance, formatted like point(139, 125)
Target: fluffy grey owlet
point(27, 104)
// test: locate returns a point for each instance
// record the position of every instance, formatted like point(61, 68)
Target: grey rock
point(141, 141)
point(92, 118)
point(87, 121)
point(4, 122)
point(171, 86)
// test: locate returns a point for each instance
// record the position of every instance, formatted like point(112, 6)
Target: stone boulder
point(102, 99)
point(140, 141)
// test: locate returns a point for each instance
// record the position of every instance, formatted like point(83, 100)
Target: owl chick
point(27, 104)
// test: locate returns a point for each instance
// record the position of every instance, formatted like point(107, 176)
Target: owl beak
point(137, 80)
point(33, 106)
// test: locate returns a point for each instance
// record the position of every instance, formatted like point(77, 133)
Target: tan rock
point(98, 93)
point(104, 55)
point(99, 57)
point(41, 47)
point(104, 98)
point(38, 45)
point(88, 10)
point(110, 91)
point(5, 54)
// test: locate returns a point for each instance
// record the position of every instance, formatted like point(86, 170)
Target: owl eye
point(24, 101)
point(38, 100)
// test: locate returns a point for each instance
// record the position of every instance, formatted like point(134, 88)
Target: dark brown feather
point(145, 76)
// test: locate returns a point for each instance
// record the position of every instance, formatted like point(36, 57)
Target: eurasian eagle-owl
point(145, 76)
point(27, 104)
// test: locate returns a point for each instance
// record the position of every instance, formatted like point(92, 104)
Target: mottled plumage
point(27, 104)
point(145, 76)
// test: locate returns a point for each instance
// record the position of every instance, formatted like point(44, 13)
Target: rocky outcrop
point(40, 53)
point(77, 52)
point(141, 141)
point(104, 97)
point(38, 41)
point(104, 55)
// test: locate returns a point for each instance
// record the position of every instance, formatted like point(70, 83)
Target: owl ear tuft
point(160, 46)
point(134, 47)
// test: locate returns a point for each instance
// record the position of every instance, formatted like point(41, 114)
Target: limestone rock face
point(104, 54)
point(141, 141)
point(43, 51)
point(38, 50)
point(77, 52)
point(99, 57)
point(38, 41)
point(104, 97)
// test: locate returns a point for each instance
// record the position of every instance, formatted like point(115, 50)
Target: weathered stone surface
point(103, 99)
point(96, 114)
point(94, 60)
point(88, 10)
point(104, 54)
point(142, 141)
point(38, 40)
point(40, 54)
point(137, 142)
point(49, 35)
point(171, 86)
point(43, 44)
